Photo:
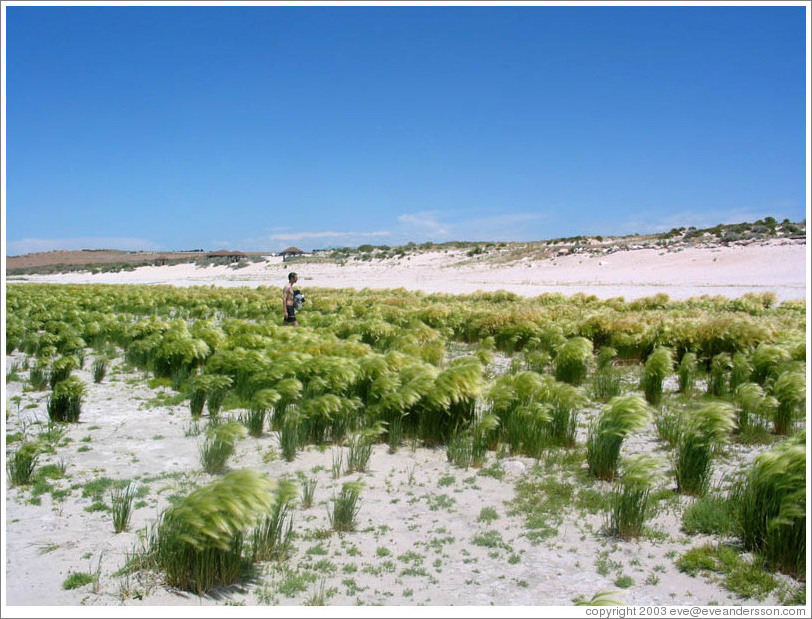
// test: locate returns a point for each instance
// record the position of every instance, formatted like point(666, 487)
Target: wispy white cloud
point(280, 238)
point(30, 246)
point(426, 222)
point(298, 236)
point(452, 226)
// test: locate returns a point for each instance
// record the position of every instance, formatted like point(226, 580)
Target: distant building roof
point(291, 250)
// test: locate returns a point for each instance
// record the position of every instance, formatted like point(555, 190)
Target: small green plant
point(20, 464)
point(337, 462)
point(78, 579)
point(219, 445)
point(487, 515)
point(121, 504)
point(99, 369)
point(346, 507)
point(624, 582)
point(308, 492)
point(602, 598)
point(746, 578)
point(710, 514)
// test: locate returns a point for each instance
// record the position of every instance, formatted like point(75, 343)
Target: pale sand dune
point(779, 267)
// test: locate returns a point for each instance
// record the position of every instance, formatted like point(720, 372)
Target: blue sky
point(260, 127)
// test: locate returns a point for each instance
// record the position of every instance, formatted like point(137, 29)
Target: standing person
point(287, 301)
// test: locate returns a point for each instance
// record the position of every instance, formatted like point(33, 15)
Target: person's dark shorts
point(291, 317)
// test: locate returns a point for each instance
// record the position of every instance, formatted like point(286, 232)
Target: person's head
point(292, 278)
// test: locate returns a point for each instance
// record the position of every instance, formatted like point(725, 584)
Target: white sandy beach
point(418, 515)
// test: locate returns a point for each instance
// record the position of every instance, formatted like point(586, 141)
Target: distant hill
point(763, 230)
point(112, 260)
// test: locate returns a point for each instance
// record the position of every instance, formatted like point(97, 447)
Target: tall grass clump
point(216, 389)
point(669, 424)
point(606, 383)
point(99, 370)
point(740, 371)
point(620, 417)
point(767, 361)
point(219, 445)
point(289, 435)
point(460, 448)
point(345, 507)
point(686, 373)
point(65, 402)
point(359, 448)
point(272, 538)
point(658, 365)
point(572, 360)
point(20, 464)
point(121, 506)
point(706, 429)
point(394, 432)
point(753, 407)
point(789, 390)
point(719, 375)
point(262, 404)
point(771, 502)
point(198, 543)
point(630, 498)
point(564, 403)
point(38, 377)
point(61, 369)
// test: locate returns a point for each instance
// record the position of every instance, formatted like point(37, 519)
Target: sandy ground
point(419, 516)
point(779, 266)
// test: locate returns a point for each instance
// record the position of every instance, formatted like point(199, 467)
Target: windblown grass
point(772, 506)
point(345, 507)
point(219, 445)
point(659, 365)
point(21, 463)
point(630, 501)
point(620, 417)
point(706, 429)
point(198, 543)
